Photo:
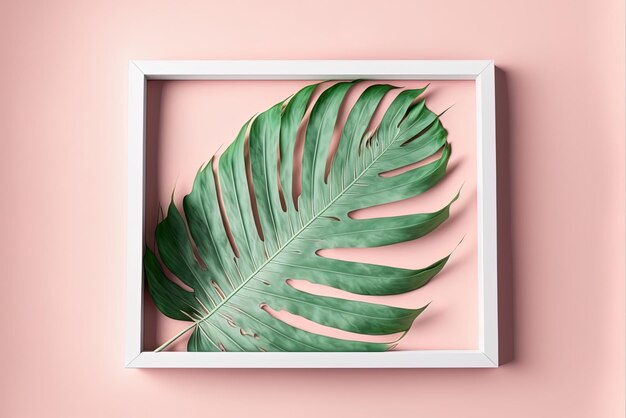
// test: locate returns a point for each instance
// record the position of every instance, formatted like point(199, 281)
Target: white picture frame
point(481, 71)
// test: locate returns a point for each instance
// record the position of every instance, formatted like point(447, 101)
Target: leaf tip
point(445, 110)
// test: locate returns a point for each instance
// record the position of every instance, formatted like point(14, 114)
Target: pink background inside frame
point(190, 121)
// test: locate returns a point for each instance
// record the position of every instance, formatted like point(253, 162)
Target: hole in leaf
point(220, 201)
point(421, 163)
point(329, 291)
point(305, 324)
point(281, 193)
point(420, 133)
point(218, 289)
point(253, 203)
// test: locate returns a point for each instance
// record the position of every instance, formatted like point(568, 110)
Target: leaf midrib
point(265, 263)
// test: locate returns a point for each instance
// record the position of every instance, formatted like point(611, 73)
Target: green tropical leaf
point(252, 234)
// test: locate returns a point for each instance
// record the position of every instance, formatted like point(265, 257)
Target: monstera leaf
point(252, 235)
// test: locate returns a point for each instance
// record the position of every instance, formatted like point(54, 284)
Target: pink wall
point(62, 174)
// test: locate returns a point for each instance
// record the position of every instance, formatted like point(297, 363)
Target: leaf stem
point(174, 338)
